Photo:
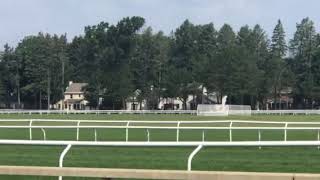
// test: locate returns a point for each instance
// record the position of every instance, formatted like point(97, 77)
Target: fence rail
point(97, 111)
point(199, 145)
point(193, 112)
point(228, 125)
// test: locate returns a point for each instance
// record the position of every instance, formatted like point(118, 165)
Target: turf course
point(268, 159)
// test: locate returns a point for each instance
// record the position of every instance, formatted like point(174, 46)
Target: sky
point(19, 18)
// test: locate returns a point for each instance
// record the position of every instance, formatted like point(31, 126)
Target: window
point(71, 96)
point(79, 95)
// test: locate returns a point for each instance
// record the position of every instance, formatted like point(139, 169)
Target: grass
point(267, 159)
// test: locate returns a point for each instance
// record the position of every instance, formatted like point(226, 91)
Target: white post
point(44, 134)
point(203, 136)
point(148, 135)
point(78, 129)
point(95, 135)
point(178, 131)
point(127, 131)
point(318, 138)
point(30, 130)
point(259, 132)
point(192, 155)
point(64, 152)
point(285, 132)
point(230, 131)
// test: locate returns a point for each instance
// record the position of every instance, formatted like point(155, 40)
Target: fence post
point(203, 136)
point(318, 138)
point(44, 134)
point(178, 130)
point(127, 131)
point(194, 152)
point(78, 129)
point(259, 132)
point(148, 135)
point(285, 132)
point(30, 130)
point(95, 135)
point(64, 152)
point(230, 131)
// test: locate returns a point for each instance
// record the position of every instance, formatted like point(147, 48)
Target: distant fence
point(288, 112)
point(7, 111)
point(192, 112)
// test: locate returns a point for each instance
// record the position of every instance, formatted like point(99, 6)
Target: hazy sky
point(19, 18)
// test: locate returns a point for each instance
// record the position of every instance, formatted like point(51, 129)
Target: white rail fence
point(30, 112)
point(161, 125)
point(177, 126)
point(196, 144)
point(193, 112)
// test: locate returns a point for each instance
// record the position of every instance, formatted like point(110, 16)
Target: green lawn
point(267, 159)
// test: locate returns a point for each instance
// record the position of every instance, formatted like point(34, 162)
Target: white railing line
point(64, 152)
point(194, 152)
point(159, 127)
point(280, 112)
point(163, 122)
point(98, 112)
point(161, 143)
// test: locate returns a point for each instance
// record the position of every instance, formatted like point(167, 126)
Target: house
point(284, 100)
point(171, 103)
point(73, 98)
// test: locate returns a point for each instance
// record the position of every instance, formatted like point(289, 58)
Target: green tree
point(302, 48)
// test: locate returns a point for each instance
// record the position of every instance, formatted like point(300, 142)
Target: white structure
point(73, 98)
point(222, 109)
point(171, 103)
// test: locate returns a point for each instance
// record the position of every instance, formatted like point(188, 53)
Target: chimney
point(70, 82)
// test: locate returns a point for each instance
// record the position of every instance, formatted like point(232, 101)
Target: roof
point(75, 88)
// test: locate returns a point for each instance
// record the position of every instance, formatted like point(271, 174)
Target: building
point(172, 103)
point(284, 100)
point(73, 98)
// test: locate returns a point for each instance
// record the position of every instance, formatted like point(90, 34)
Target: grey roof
point(76, 88)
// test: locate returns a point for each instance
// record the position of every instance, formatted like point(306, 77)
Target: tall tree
point(302, 48)
point(276, 66)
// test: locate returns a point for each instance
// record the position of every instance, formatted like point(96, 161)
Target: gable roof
point(75, 88)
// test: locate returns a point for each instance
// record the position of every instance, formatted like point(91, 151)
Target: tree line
point(127, 59)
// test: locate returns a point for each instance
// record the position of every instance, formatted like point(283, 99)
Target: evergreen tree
point(302, 48)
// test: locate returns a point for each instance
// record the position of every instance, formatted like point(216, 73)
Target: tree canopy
point(128, 59)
